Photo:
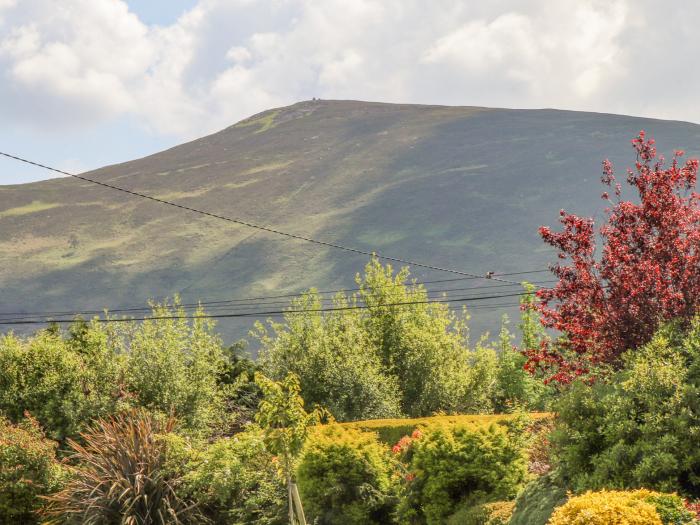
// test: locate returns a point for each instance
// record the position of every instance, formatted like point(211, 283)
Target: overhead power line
point(231, 303)
point(265, 313)
point(268, 229)
point(68, 318)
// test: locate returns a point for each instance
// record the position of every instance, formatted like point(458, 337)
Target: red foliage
point(648, 271)
point(406, 442)
point(694, 507)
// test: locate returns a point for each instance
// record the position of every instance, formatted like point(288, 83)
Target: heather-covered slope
point(453, 186)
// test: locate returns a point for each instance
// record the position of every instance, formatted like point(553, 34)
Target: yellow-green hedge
point(608, 507)
point(391, 430)
point(617, 507)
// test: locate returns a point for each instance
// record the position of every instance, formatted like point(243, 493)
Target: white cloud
point(82, 62)
point(73, 62)
point(239, 54)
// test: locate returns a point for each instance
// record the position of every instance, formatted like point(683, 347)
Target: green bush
point(449, 466)
point(28, 470)
point(62, 386)
point(345, 478)
point(671, 509)
point(633, 428)
point(537, 501)
point(234, 480)
point(67, 380)
point(237, 381)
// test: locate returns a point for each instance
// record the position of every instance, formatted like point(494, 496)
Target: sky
point(86, 83)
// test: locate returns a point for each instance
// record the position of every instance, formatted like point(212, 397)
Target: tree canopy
point(648, 270)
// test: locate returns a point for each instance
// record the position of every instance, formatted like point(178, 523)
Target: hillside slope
point(453, 186)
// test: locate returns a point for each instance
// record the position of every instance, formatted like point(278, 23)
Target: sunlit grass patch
point(33, 207)
point(271, 166)
point(382, 238)
point(265, 122)
point(183, 194)
point(242, 184)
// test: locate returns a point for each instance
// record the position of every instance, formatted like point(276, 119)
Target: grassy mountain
point(461, 187)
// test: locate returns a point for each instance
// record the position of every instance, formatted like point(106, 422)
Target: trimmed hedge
point(390, 431)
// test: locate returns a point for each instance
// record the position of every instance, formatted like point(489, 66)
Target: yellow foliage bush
point(499, 512)
point(608, 508)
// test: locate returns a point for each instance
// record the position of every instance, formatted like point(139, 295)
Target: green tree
point(383, 360)
point(333, 359)
point(423, 345)
point(286, 423)
point(482, 378)
point(531, 330)
point(516, 387)
point(68, 379)
point(173, 367)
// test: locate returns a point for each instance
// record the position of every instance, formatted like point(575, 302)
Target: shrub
point(28, 470)
point(61, 386)
point(693, 507)
point(672, 509)
point(499, 512)
point(539, 450)
point(120, 476)
point(448, 466)
point(496, 513)
point(345, 477)
point(639, 507)
point(237, 381)
point(632, 430)
point(235, 480)
point(535, 504)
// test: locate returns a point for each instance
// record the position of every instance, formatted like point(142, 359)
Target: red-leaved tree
point(648, 271)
